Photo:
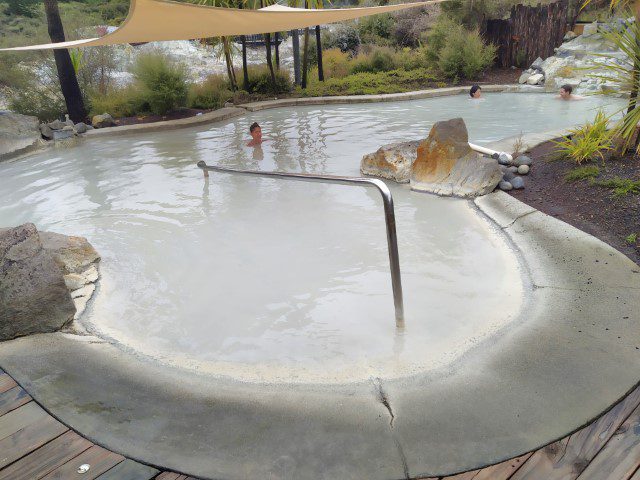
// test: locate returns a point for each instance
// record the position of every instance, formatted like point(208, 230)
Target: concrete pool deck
point(573, 354)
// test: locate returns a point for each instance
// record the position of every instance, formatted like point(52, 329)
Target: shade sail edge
point(147, 22)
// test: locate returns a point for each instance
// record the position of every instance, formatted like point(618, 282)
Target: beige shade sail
point(162, 20)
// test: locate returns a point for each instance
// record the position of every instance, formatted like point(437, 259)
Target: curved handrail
point(389, 216)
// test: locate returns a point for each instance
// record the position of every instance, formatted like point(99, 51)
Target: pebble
point(504, 185)
point(523, 169)
point(503, 159)
point(517, 183)
point(522, 160)
point(513, 169)
point(508, 176)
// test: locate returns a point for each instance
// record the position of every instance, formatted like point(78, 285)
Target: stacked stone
point(58, 130)
point(512, 171)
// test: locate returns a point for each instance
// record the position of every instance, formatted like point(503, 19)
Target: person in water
point(475, 92)
point(256, 135)
point(566, 93)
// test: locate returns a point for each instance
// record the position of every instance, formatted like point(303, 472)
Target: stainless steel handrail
point(389, 216)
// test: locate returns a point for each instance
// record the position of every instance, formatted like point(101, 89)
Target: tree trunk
point(66, 74)
point(295, 43)
point(319, 50)
point(305, 58)
point(277, 44)
point(267, 42)
point(229, 61)
point(245, 70)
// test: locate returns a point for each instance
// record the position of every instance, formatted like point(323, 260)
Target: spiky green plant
point(582, 173)
point(588, 142)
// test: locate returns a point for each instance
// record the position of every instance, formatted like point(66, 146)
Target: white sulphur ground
point(280, 281)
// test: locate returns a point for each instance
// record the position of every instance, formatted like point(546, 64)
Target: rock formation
point(446, 165)
point(391, 161)
point(18, 134)
point(46, 280)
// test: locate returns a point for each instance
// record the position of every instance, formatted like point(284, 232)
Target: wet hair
point(567, 88)
point(253, 126)
point(473, 90)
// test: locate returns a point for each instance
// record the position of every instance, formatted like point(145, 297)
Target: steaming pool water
point(271, 280)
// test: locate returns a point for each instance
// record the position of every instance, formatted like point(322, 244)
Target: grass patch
point(631, 239)
point(621, 186)
point(582, 173)
point(367, 83)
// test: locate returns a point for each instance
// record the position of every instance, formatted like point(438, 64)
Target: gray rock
point(523, 78)
point(56, 125)
point(512, 169)
point(18, 134)
point(45, 131)
point(80, 127)
point(446, 165)
point(73, 254)
point(523, 169)
point(569, 36)
point(590, 29)
point(33, 295)
point(67, 128)
point(508, 176)
point(506, 186)
point(535, 79)
point(62, 134)
point(503, 159)
point(391, 161)
point(517, 182)
point(102, 121)
point(537, 63)
point(522, 160)
point(67, 121)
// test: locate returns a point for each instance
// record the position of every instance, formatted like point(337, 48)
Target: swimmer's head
point(565, 91)
point(255, 131)
point(475, 92)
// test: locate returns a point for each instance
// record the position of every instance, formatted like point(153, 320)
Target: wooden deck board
point(47, 458)
point(502, 471)
point(6, 382)
point(13, 398)
point(620, 457)
point(567, 458)
point(129, 470)
point(28, 439)
point(168, 476)
point(19, 418)
point(98, 458)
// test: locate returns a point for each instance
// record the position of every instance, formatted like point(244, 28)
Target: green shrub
point(163, 82)
point(587, 143)
point(344, 36)
point(260, 81)
point(127, 101)
point(465, 55)
point(367, 83)
point(381, 59)
point(631, 238)
point(376, 28)
point(437, 38)
point(582, 173)
point(621, 186)
point(39, 101)
point(213, 93)
point(335, 63)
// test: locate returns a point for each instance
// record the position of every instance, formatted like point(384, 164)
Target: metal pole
point(389, 217)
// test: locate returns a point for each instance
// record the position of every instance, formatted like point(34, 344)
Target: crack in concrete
point(403, 458)
point(383, 399)
point(518, 218)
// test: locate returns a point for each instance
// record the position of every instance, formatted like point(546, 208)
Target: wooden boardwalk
point(34, 445)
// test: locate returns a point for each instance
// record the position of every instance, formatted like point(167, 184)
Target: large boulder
point(102, 121)
point(46, 280)
point(391, 161)
point(18, 134)
point(33, 295)
point(446, 165)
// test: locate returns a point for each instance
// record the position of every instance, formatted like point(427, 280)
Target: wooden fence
point(530, 32)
